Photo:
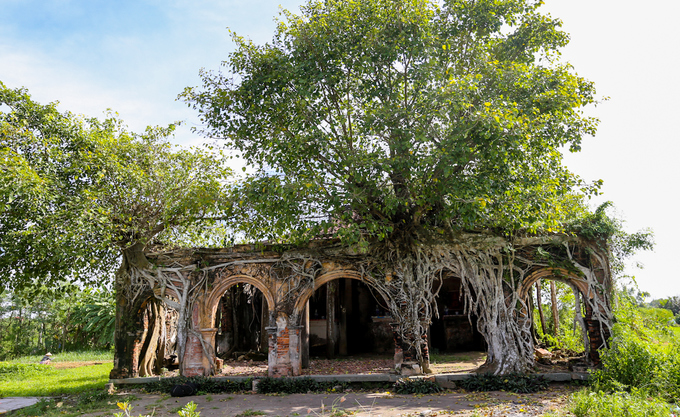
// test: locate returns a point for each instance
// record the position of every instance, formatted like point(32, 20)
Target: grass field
point(55, 382)
point(84, 356)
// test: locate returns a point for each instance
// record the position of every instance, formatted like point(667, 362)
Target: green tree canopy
point(394, 117)
point(75, 192)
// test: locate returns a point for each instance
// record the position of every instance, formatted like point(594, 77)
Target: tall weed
point(639, 357)
point(617, 404)
point(629, 362)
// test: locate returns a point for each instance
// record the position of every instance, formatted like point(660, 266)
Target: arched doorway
point(240, 319)
point(455, 343)
point(347, 319)
point(342, 317)
point(240, 310)
point(453, 330)
point(564, 303)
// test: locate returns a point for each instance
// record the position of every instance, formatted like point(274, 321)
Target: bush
point(203, 384)
point(416, 386)
point(297, 385)
point(656, 318)
point(513, 382)
point(634, 363)
point(617, 404)
point(669, 375)
point(628, 362)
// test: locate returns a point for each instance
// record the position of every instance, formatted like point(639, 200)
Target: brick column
point(280, 359)
point(209, 340)
point(398, 350)
point(196, 361)
point(595, 335)
point(193, 358)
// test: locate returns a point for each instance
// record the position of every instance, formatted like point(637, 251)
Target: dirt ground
point(62, 365)
point(374, 404)
point(368, 364)
point(359, 404)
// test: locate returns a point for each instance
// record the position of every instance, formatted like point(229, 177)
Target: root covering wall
point(493, 277)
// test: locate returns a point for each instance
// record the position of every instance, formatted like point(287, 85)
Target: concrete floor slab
point(8, 404)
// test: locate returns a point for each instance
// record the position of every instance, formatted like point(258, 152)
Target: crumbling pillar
point(284, 348)
point(597, 334)
point(294, 348)
point(405, 356)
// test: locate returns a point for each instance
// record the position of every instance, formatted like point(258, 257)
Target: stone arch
point(320, 282)
point(596, 335)
point(224, 284)
point(556, 274)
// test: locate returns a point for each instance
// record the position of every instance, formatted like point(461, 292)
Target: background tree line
point(77, 319)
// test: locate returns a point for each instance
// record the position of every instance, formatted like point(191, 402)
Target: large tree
point(76, 193)
point(80, 196)
point(399, 124)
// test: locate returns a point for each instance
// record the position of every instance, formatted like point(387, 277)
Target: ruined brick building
point(320, 299)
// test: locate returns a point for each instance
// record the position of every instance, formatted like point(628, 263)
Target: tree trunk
point(539, 305)
point(162, 342)
point(226, 342)
point(304, 351)
point(578, 317)
point(126, 338)
point(530, 304)
point(264, 314)
point(506, 348)
point(555, 312)
point(346, 299)
point(148, 358)
point(331, 295)
point(235, 308)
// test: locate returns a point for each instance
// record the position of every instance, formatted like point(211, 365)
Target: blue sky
point(135, 57)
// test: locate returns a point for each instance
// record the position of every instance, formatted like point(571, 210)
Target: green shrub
point(297, 385)
point(669, 375)
point(203, 384)
point(657, 318)
point(189, 410)
point(634, 363)
point(628, 362)
point(416, 386)
point(617, 404)
point(512, 382)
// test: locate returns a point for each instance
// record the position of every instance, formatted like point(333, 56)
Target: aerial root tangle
point(408, 282)
point(596, 296)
